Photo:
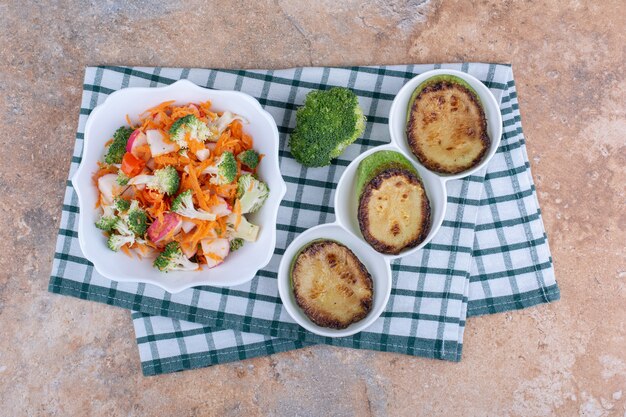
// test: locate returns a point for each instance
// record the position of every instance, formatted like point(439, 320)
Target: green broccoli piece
point(164, 180)
point(121, 205)
point(122, 228)
point(117, 149)
point(172, 258)
point(106, 223)
point(183, 205)
point(245, 230)
point(108, 219)
point(225, 170)
point(236, 244)
point(251, 193)
point(137, 219)
point(249, 158)
point(115, 242)
point(122, 179)
point(328, 122)
point(197, 130)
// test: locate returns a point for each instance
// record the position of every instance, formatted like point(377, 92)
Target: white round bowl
point(240, 266)
point(399, 108)
point(377, 266)
point(346, 200)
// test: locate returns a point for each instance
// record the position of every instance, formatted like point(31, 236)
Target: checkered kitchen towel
point(491, 254)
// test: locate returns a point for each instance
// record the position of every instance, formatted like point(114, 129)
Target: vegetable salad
point(177, 186)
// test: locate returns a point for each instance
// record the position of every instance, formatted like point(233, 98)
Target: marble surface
point(62, 356)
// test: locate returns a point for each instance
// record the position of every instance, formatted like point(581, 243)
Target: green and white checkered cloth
point(491, 254)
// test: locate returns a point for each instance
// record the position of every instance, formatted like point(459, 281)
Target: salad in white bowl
point(179, 187)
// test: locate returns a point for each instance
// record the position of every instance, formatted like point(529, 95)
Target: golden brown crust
point(365, 223)
point(421, 116)
point(331, 285)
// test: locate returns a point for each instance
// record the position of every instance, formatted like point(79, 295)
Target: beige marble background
point(62, 356)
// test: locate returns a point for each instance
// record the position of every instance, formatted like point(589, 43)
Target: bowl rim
point(173, 286)
point(285, 292)
point(487, 98)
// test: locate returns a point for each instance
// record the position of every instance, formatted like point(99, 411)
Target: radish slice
point(211, 146)
point(108, 187)
point(188, 226)
point(159, 232)
point(157, 143)
point(221, 209)
point(136, 139)
point(215, 247)
point(203, 154)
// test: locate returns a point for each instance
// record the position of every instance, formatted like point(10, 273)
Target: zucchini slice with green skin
point(377, 162)
point(394, 211)
point(330, 284)
point(446, 125)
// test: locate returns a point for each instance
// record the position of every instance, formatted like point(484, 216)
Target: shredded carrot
point(236, 129)
point(126, 250)
point(196, 187)
point(195, 146)
point(159, 107)
point(237, 212)
point(128, 121)
point(214, 257)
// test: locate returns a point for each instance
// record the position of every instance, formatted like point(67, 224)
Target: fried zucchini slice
point(331, 285)
point(394, 211)
point(446, 125)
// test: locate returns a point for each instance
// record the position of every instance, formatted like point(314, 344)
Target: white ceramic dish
point(240, 266)
point(377, 266)
point(346, 225)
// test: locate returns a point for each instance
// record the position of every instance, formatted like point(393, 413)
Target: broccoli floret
point(249, 158)
point(251, 193)
point(108, 219)
point(164, 180)
point(117, 149)
point(115, 242)
point(106, 223)
point(122, 179)
point(197, 130)
point(137, 219)
point(225, 170)
point(183, 205)
point(121, 205)
point(131, 223)
point(236, 243)
point(172, 258)
point(244, 230)
point(122, 228)
point(328, 122)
